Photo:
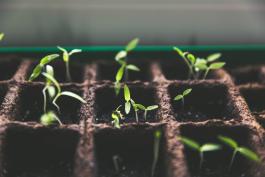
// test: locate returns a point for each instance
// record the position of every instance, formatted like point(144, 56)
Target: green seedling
point(201, 149)
point(49, 118)
point(121, 58)
point(183, 95)
point(60, 92)
point(200, 67)
point(116, 160)
point(66, 59)
point(145, 109)
point(157, 139)
point(117, 116)
point(238, 149)
point(44, 61)
point(2, 35)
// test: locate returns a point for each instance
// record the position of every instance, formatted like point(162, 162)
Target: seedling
point(201, 149)
point(2, 35)
point(238, 149)
point(183, 95)
point(49, 118)
point(121, 58)
point(116, 160)
point(66, 59)
point(200, 67)
point(157, 138)
point(116, 116)
point(38, 69)
point(145, 109)
point(59, 91)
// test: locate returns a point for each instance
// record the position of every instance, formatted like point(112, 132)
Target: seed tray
point(224, 104)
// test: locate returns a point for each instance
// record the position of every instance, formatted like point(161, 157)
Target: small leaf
point(73, 95)
point(178, 51)
point(190, 143)
point(75, 51)
point(201, 64)
point(178, 97)
point(120, 55)
point(2, 35)
point(132, 45)
point(50, 71)
point(228, 141)
point(53, 80)
point(117, 88)
point(47, 59)
point(132, 67)
point(36, 72)
point(119, 74)
point(127, 94)
point(191, 58)
point(51, 91)
point(153, 107)
point(127, 107)
point(140, 106)
point(249, 154)
point(187, 91)
point(210, 147)
point(217, 65)
point(214, 57)
point(62, 49)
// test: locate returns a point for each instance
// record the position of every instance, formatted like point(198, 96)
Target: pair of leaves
point(66, 54)
point(2, 35)
point(127, 98)
point(116, 116)
point(197, 147)
point(38, 69)
point(185, 93)
point(121, 70)
point(129, 47)
point(243, 150)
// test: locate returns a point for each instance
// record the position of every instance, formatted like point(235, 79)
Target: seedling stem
point(157, 138)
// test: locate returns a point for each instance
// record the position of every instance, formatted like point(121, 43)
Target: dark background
point(157, 22)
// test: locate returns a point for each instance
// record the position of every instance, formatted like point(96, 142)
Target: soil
point(87, 142)
point(8, 69)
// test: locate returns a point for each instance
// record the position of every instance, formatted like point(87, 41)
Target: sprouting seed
point(157, 139)
point(66, 59)
point(182, 96)
point(200, 67)
point(49, 118)
point(238, 149)
point(201, 149)
point(121, 58)
point(117, 116)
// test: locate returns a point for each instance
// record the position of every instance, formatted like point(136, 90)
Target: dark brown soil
point(85, 144)
point(8, 69)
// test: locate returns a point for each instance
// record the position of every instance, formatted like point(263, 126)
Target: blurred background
point(156, 22)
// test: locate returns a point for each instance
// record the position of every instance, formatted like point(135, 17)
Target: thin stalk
point(116, 163)
point(201, 160)
point(136, 116)
point(232, 160)
point(182, 102)
point(206, 73)
point(156, 154)
point(190, 68)
point(145, 114)
point(44, 99)
point(126, 73)
point(68, 75)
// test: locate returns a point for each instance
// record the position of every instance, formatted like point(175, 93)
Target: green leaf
point(2, 35)
point(47, 59)
point(153, 107)
point(178, 97)
point(36, 72)
point(187, 91)
point(191, 58)
point(210, 147)
point(65, 54)
point(217, 65)
point(127, 94)
point(132, 67)
point(178, 51)
point(50, 71)
point(73, 95)
point(249, 154)
point(190, 143)
point(201, 64)
point(75, 51)
point(120, 55)
point(53, 80)
point(127, 107)
point(51, 91)
point(132, 45)
point(140, 106)
point(120, 73)
point(117, 87)
point(214, 57)
point(228, 141)
point(62, 49)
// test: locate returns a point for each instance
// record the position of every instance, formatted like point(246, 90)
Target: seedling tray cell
point(228, 102)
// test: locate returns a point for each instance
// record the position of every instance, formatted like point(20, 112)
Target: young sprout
point(146, 109)
point(198, 65)
point(116, 160)
point(157, 138)
point(116, 116)
point(60, 92)
point(181, 96)
point(121, 58)
point(49, 118)
point(2, 35)
point(66, 59)
point(201, 149)
point(238, 149)
point(48, 88)
point(38, 69)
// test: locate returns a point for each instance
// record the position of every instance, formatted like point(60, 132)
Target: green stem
point(190, 68)
point(136, 116)
point(156, 154)
point(232, 160)
point(68, 75)
point(54, 102)
point(201, 161)
point(183, 102)
point(206, 73)
point(44, 99)
point(145, 114)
